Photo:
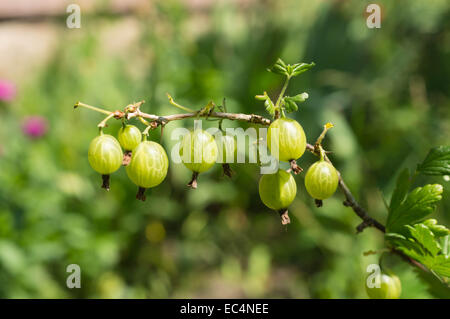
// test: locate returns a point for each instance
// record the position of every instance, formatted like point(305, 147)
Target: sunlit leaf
point(300, 68)
point(438, 230)
point(418, 204)
point(424, 236)
point(437, 162)
point(279, 68)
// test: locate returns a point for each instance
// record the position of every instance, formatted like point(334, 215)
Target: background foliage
point(385, 90)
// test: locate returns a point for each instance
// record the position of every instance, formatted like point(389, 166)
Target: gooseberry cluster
point(147, 168)
point(147, 162)
point(277, 191)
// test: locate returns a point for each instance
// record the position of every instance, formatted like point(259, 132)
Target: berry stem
point(184, 108)
point(280, 97)
point(145, 133)
point(326, 127)
point(147, 123)
point(102, 124)
point(93, 108)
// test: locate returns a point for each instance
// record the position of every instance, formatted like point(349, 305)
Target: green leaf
point(300, 68)
point(423, 235)
point(418, 204)
point(413, 252)
point(290, 102)
point(270, 107)
point(261, 97)
point(299, 98)
point(437, 162)
point(393, 236)
point(412, 248)
point(423, 247)
point(438, 230)
point(441, 265)
point(279, 68)
point(401, 189)
point(290, 70)
point(290, 106)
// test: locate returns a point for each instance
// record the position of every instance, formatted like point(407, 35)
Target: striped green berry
point(277, 191)
point(287, 136)
point(321, 180)
point(129, 137)
point(105, 154)
point(148, 166)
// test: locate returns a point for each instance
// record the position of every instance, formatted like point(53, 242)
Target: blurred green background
point(386, 90)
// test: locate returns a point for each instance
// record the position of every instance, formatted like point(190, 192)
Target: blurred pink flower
point(35, 126)
point(7, 90)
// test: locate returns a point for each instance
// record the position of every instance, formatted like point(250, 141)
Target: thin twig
point(252, 118)
point(93, 108)
point(280, 97)
point(184, 108)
